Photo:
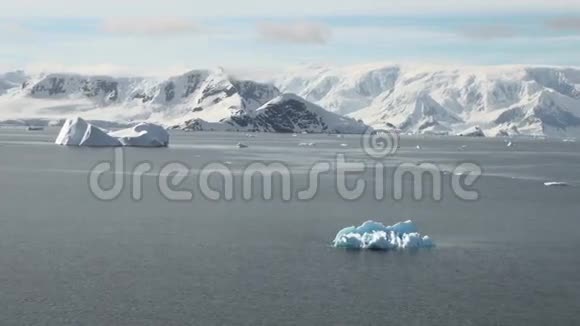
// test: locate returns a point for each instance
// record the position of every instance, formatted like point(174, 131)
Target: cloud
point(88, 69)
point(14, 29)
point(564, 24)
point(295, 8)
point(102, 69)
point(150, 26)
point(294, 32)
point(488, 32)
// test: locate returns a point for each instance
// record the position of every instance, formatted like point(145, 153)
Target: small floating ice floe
point(376, 236)
point(294, 135)
point(307, 144)
point(339, 136)
point(472, 132)
point(343, 145)
point(462, 147)
point(510, 144)
point(419, 147)
point(250, 136)
point(556, 184)
point(242, 145)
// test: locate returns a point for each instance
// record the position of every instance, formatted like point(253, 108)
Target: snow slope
point(446, 99)
point(11, 80)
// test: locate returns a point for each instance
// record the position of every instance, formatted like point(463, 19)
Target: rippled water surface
point(67, 258)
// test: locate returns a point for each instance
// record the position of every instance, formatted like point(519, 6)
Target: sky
point(161, 37)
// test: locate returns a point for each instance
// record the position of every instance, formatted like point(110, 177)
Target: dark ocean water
point(67, 258)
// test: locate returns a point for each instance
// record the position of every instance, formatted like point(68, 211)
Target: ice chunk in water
point(373, 235)
point(143, 135)
point(556, 184)
point(78, 132)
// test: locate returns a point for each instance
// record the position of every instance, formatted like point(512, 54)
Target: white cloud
point(389, 34)
point(94, 69)
point(295, 32)
point(564, 24)
point(488, 32)
point(14, 29)
point(102, 69)
point(150, 26)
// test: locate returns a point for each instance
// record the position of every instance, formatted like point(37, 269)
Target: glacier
point(506, 101)
point(373, 235)
point(78, 132)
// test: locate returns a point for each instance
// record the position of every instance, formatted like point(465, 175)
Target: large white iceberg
point(376, 236)
point(78, 132)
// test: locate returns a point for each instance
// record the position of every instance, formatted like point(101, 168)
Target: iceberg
point(78, 132)
point(472, 132)
point(373, 235)
point(143, 135)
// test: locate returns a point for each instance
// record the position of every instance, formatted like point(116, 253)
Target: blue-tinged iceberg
point(376, 236)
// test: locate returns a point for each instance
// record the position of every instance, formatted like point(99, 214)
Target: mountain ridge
point(543, 101)
point(414, 99)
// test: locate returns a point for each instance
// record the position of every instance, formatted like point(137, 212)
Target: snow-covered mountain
point(499, 100)
point(200, 94)
point(287, 113)
point(197, 100)
point(496, 100)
